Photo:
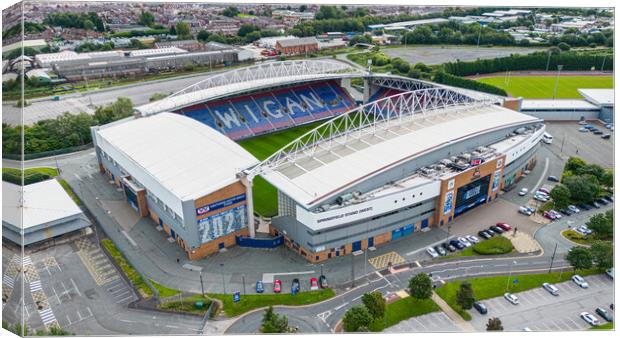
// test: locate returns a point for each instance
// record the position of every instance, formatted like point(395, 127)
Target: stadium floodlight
point(557, 80)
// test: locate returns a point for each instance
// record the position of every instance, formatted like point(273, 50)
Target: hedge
point(32, 175)
point(451, 80)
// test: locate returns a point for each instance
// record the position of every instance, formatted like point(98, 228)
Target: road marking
point(126, 321)
point(418, 264)
point(542, 177)
point(172, 326)
point(269, 277)
point(77, 176)
point(75, 287)
point(323, 315)
point(341, 306)
point(129, 238)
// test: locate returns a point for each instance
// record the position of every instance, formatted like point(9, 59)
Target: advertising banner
point(496, 179)
point(221, 224)
point(220, 204)
point(447, 204)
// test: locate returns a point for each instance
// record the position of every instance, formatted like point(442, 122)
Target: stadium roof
point(175, 157)
point(341, 162)
point(600, 97)
point(43, 202)
point(564, 104)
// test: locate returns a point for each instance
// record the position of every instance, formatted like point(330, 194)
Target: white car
point(590, 318)
point(541, 198)
point(574, 209)
point(610, 273)
point(526, 211)
point(523, 192)
point(580, 281)
point(583, 130)
point(552, 289)
point(432, 252)
point(464, 241)
point(472, 239)
point(511, 298)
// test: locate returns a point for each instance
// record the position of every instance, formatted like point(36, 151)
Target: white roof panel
point(310, 185)
point(600, 97)
point(44, 202)
point(563, 104)
point(175, 157)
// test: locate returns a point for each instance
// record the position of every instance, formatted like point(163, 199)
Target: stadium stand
point(383, 92)
point(260, 113)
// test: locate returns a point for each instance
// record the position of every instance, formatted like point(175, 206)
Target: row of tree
point(65, 131)
point(535, 61)
point(90, 20)
point(457, 34)
point(24, 331)
point(581, 183)
point(456, 81)
point(29, 28)
point(600, 254)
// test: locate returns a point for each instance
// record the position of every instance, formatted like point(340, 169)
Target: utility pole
point(510, 274)
point(202, 287)
point(352, 271)
point(548, 60)
point(557, 81)
point(553, 257)
point(243, 281)
point(603, 65)
point(223, 281)
point(479, 33)
point(321, 269)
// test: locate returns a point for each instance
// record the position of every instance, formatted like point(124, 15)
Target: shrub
point(494, 246)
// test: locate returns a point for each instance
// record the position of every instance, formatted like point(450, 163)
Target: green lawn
point(31, 175)
point(254, 301)
point(136, 279)
point(491, 287)
point(402, 309)
point(187, 305)
point(606, 326)
point(541, 87)
point(70, 191)
point(493, 246)
point(164, 291)
point(578, 238)
point(265, 194)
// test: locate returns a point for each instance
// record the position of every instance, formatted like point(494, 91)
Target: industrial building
point(597, 104)
point(182, 174)
point(38, 212)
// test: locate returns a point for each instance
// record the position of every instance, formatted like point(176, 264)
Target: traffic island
point(577, 238)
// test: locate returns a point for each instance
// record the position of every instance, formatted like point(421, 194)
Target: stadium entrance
point(471, 195)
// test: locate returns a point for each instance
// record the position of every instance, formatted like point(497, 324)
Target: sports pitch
point(541, 87)
point(265, 194)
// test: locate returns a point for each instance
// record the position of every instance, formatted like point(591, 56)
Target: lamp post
point(603, 65)
point(243, 281)
point(223, 281)
point(557, 81)
point(479, 33)
point(548, 60)
point(202, 287)
point(510, 274)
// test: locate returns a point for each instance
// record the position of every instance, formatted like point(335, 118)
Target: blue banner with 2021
point(220, 204)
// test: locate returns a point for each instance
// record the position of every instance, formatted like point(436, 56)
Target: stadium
point(345, 170)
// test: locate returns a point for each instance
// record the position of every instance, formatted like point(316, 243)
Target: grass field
point(266, 195)
point(403, 309)
point(541, 87)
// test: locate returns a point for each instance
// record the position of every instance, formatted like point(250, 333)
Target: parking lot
point(541, 311)
point(431, 322)
point(569, 141)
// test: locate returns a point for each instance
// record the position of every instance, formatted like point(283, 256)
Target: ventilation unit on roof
point(465, 156)
point(454, 158)
point(475, 154)
point(481, 149)
point(427, 171)
point(344, 198)
point(445, 161)
point(520, 131)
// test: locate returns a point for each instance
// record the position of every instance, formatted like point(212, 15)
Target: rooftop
point(177, 158)
point(599, 97)
point(298, 41)
point(43, 202)
point(346, 160)
point(563, 104)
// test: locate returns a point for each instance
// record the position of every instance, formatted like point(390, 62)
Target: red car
point(504, 226)
point(549, 215)
point(314, 285)
point(277, 286)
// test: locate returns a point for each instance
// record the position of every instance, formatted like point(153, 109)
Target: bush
point(134, 277)
point(494, 246)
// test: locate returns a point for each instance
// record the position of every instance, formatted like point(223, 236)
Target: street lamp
point(223, 281)
point(510, 274)
point(557, 80)
point(548, 60)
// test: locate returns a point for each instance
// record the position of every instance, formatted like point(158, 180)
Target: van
point(551, 289)
point(547, 138)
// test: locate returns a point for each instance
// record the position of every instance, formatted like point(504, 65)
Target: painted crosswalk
point(8, 281)
point(383, 261)
point(35, 286)
point(47, 316)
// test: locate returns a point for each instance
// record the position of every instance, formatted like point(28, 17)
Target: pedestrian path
point(383, 261)
point(456, 318)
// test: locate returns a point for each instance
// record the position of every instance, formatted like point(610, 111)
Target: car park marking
point(341, 306)
point(324, 315)
point(268, 278)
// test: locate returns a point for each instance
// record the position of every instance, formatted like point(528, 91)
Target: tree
point(146, 19)
point(575, 164)
point(123, 107)
point(602, 254)
point(183, 32)
point(579, 258)
point(252, 36)
point(607, 180)
point(245, 29)
point(494, 324)
point(375, 304)
point(602, 225)
point(230, 12)
point(274, 323)
point(465, 296)
point(303, 8)
point(583, 188)
point(356, 319)
point(560, 195)
point(203, 35)
point(563, 46)
point(421, 286)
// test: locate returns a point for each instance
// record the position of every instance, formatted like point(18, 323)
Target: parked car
point(484, 234)
point(323, 282)
point(511, 298)
point(589, 318)
point(504, 226)
point(556, 214)
point(580, 281)
point(552, 289)
point(431, 252)
point(314, 284)
point(582, 229)
point(277, 286)
point(295, 286)
point(574, 209)
point(604, 314)
point(597, 132)
point(602, 201)
point(523, 192)
point(525, 211)
point(610, 273)
point(260, 288)
point(565, 212)
point(440, 250)
point(541, 198)
point(457, 244)
point(552, 215)
point(496, 229)
point(553, 179)
point(595, 204)
point(608, 125)
point(609, 198)
point(606, 136)
point(482, 309)
point(584, 206)
point(464, 241)
point(472, 239)
point(583, 130)
point(544, 191)
point(449, 247)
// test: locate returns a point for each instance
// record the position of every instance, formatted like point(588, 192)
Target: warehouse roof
point(43, 202)
point(298, 42)
point(563, 104)
point(175, 157)
point(599, 97)
point(347, 160)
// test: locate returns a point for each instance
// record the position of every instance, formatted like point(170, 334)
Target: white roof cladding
point(175, 157)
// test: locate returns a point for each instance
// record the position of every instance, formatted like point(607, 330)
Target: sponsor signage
point(447, 204)
point(222, 224)
point(496, 178)
point(220, 204)
point(236, 297)
point(476, 161)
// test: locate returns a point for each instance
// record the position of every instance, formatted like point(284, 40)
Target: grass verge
point(491, 287)
point(606, 326)
point(255, 301)
point(134, 277)
point(578, 238)
point(31, 175)
point(70, 192)
point(164, 291)
point(187, 305)
point(497, 245)
point(402, 309)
